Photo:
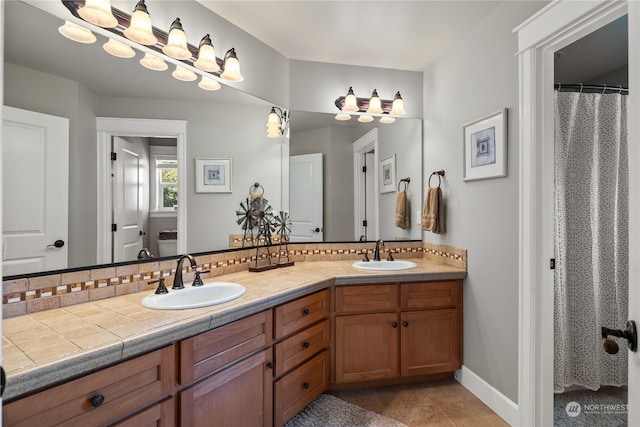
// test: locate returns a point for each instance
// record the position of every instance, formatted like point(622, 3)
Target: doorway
point(110, 128)
point(365, 187)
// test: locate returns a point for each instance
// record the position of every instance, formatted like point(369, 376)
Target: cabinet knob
point(306, 344)
point(97, 401)
point(305, 385)
point(394, 325)
point(270, 365)
point(306, 311)
point(405, 324)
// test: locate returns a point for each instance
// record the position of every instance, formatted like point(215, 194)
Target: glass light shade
point(387, 119)
point(207, 56)
point(177, 42)
point(350, 102)
point(397, 108)
point(118, 49)
point(342, 117)
point(182, 74)
point(365, 119)
point(208, 83)
point(375, 105)
point(140, 30)
point(231, 67)
point(76, 33)
point(153, 62)
point(98, 12)
point(273, 120)
point(273, 133)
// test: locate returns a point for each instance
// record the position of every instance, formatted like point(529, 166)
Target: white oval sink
point(385, 265)
point(211, 293)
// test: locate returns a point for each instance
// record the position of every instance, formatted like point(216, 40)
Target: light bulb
point(397, 108)
point(350, 102)
point(140, 30)
point(231, 67)
point(387, 119)
point(207, 83)
point(153, 62)
point(118, 49)
point(375, 105)
point(365, 119)
point(182, 74)
point(76, 33)
point(343, 117)
point(207, 56)
point(177, 42)
point(98, 12)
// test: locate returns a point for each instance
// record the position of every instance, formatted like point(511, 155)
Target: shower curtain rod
point(602, 88)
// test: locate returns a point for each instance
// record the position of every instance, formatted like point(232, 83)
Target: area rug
point(329, 411)
point(606, 407)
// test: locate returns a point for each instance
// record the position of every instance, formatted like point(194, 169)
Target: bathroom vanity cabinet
point(397, 330)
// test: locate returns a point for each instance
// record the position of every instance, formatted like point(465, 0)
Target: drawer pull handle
point(405, 324)
point(270, 365)
point(306, 344)
point(305, 311)
point(305, 385)
point(394, 325)
point(97, 401)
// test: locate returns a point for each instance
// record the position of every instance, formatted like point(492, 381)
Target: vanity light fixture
point(207, 60)
point(207, 83)
point(176, 46)
point(98, 12)
point(365, 119)
point(342, 116)
point(278, 122)
point(231, 67)
point(153, 62)
point(373, 105)
point(140, 29)
point(183, 74)
point(77, 33)
point(119, 49)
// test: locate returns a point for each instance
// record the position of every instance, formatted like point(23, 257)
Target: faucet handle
point(162, 289)
point(198, 280)
point(366, 256)
point(390, 255)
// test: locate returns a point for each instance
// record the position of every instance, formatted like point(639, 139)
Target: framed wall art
point(213, 175)
point(388, 174)
point(485, 147)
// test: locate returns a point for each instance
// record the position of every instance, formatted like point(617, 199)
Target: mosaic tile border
point(31, 295)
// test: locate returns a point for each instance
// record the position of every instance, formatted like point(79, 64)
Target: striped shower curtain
point(591, 237)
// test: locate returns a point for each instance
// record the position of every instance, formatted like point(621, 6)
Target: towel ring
point(440, 174)
point(406, 183)
point(255, 188)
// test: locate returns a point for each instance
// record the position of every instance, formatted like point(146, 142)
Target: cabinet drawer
point(296, 315)
point(430, 294)
point(159, 415)
point(210, 351)
point(298, 348)
point(296, 390)
point(123, 388)
point(366, 298)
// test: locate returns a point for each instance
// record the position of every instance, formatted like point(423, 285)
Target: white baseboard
point(498, 402)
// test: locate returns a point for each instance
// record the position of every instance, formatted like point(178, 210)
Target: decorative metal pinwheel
point(283, 225)
point(245, 215)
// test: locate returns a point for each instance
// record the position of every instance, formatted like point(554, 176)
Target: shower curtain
point(591, 237)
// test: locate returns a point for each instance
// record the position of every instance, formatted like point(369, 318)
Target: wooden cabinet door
point(241, 395)
point(159, 415)
point(366, 347)
point(430, 341)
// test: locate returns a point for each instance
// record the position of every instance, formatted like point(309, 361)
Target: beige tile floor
point(429, 404)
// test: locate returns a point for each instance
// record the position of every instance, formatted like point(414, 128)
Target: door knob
point(143, 233)
point(57, 244)
point(316, 230)
point(630, 334)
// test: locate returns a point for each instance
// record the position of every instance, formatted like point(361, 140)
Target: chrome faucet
point(376, 254)
point(144, 254)
point(177, 281)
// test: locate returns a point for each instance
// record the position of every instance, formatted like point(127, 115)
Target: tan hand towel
point(402, 212)
point(433, 211)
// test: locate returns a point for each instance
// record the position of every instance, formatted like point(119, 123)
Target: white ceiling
point(404, 35)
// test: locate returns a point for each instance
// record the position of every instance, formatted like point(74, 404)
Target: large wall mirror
point(49, 75)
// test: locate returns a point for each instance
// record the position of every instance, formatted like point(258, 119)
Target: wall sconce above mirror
point(278, 122)
point(365, 108)
point(137, 28)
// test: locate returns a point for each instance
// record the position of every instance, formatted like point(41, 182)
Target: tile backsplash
point(29, 295)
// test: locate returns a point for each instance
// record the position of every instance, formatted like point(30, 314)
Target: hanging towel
point(402, 211)
point(433, 211)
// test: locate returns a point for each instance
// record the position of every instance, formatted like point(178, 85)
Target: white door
point(305, 193)
point(35, 154)
point(128, 195)
point(365, 186)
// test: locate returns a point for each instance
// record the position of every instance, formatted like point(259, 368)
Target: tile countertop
point(47, 347)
